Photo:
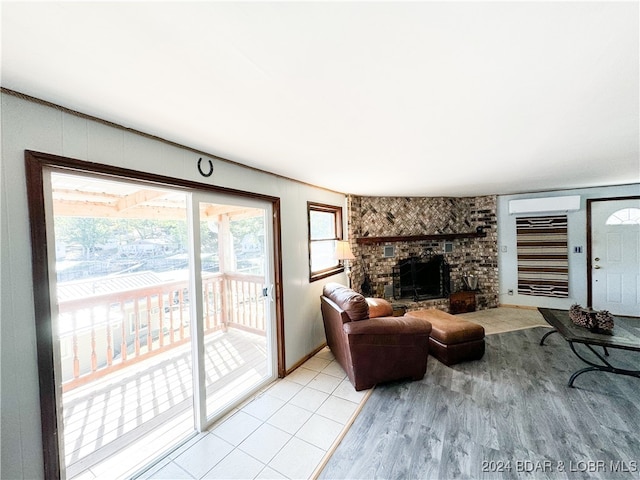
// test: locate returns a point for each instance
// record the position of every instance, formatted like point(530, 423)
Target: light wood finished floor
point(509, 415)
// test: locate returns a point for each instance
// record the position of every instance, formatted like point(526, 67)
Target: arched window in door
point(625, 216)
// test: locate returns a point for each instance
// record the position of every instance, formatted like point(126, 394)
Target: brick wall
point(405, 216)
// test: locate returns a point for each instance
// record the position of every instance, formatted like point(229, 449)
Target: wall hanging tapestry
point(543, 261)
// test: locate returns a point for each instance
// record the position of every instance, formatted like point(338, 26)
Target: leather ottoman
point(452, 340)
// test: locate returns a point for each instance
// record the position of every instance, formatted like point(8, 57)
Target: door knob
point(597, 267)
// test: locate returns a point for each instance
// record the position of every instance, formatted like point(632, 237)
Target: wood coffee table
point(626, 336)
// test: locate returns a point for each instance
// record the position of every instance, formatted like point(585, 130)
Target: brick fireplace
point(384, 231)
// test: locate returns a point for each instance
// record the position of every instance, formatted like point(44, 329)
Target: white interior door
point(615, 262)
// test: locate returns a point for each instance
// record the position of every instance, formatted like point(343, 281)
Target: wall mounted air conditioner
point(544, 205)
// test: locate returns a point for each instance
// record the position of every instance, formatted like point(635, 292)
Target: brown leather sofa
point(370, 344)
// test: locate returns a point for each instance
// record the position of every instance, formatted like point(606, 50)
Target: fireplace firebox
point(421, 279)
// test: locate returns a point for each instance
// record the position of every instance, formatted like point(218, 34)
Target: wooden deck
point(107, 415)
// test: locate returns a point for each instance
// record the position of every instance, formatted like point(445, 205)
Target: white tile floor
point(284, 432)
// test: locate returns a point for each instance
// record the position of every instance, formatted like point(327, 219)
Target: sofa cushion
point(353, 303)
point(379, 307)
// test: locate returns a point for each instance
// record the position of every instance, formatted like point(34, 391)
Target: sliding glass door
point(237, 308)
point(162, 314)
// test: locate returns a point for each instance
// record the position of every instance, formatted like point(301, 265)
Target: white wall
point(577, 237)
point(31, 126)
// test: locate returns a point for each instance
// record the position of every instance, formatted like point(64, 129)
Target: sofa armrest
point(388, 326)
point(387, 348)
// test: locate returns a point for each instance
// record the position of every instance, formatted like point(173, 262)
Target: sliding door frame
point(35, 164)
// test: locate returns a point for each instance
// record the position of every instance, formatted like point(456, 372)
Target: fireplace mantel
point(418, 238)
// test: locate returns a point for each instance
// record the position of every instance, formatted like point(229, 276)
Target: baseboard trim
point(304, 359)
point(523, 307)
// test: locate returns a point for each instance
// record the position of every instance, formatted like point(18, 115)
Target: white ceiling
point(371, 98)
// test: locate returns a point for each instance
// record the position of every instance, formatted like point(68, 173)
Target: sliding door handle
point(268, 292)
